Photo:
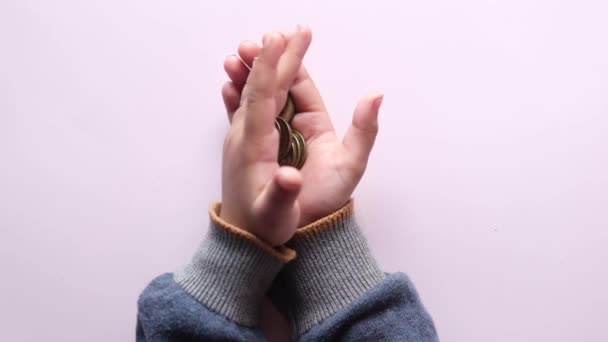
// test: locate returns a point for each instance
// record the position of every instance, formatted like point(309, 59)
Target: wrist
point(323, 209)
point(217, 220)
point(273, 224)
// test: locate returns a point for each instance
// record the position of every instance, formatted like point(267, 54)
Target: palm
point(327, 178)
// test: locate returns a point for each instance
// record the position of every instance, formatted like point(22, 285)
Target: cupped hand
point(333, 167)
point(257, 194)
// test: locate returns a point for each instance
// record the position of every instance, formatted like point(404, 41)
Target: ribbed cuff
point(333, 268)
point(232, 270)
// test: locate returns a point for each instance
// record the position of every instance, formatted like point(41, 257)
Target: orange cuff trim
point(280, 252)
point(326, 223)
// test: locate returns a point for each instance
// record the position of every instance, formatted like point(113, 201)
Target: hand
point(333, 167)
point(257, 194)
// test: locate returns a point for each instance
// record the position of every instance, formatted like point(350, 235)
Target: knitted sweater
point(324, 280)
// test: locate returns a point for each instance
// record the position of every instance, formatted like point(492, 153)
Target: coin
point(285, 136)
point(291, 158)
point(287, 160)
point(295, 152)
point(289, 110)
point(299, 138)
point(292, 146)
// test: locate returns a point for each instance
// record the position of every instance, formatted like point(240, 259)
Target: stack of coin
point(292, 146)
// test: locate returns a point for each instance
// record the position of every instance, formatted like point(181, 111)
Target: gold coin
point(285, 136)
point(299, 138)
point(291, 158)
point(286, 160)
point(289, 110)
point(292, 146)
point(297, 151)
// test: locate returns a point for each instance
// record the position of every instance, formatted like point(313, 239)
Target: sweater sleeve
point(217, 295)
point(336, 292)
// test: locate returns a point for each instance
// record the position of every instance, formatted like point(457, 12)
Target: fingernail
point(298, 28)
point(378, 101)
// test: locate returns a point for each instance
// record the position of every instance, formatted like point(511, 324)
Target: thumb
point(277, 207)
point(360, 137)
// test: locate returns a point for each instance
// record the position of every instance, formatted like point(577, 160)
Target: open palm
point(334, 166)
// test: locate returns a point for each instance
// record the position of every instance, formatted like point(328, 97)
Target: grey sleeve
point(217, 295)
point(335, 291)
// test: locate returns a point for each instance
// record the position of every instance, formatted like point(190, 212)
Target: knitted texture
point(167, 313)
point(334, 267)
point(231, 271)
point(333, 291)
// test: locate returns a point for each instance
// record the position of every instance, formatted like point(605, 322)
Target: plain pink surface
point(488, 184)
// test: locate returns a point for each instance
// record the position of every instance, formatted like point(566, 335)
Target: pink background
point(488, 184)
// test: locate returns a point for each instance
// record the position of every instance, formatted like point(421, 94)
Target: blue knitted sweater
point(325, 281)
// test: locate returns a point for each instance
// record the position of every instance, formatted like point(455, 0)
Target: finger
point(259, 92)
point(248, 51)
point(236, 70)
point(232, 98)
point(360, 137)
point(306, 94)
point(290, 62)
point(313, 119)
point(277, 205)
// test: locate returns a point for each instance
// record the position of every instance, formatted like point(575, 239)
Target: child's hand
point(333, 168)
point(257, 194)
